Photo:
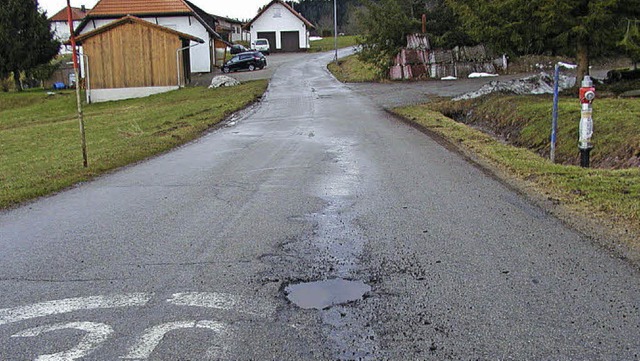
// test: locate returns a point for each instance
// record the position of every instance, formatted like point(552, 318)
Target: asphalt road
point(274, 62)
point(192, 255)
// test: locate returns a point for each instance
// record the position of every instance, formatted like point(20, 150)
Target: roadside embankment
point(351, 70)
point(525, 121)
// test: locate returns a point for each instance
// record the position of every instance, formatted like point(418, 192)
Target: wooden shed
point(131, 57)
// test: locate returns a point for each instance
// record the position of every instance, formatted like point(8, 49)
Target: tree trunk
point(583, 61)
point(16, 80)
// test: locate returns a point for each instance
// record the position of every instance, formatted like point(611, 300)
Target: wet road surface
point(313, 227)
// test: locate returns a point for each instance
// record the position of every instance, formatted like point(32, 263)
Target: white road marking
point(16, 314)
point(222, 301)
point(154, 335)
point(97, 333)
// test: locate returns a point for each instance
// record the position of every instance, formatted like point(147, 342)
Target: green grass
point(612, 196)
point(352, 70)
point(40, 143)
point(327, 44)
point(526, 121)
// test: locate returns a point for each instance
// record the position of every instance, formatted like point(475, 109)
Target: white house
point(60, 25)
point(285, 28)
point(180, 15)
point(231, 29)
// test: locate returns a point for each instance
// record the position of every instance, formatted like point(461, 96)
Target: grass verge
point(608, 201)
point(39, 138)
point(327, 44)
point(351, 70)
point(526, 121)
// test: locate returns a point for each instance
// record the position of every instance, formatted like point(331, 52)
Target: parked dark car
point(250, 60)
point(237, 49)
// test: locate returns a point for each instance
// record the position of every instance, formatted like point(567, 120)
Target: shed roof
point(76, 14)
point(288, 7)
point(130, 20)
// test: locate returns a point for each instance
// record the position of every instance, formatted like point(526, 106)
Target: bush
point(6, 84)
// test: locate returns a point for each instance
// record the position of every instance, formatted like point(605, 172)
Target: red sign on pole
point(72, 36)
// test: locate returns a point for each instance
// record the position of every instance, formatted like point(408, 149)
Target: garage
point(285, 28)
point(290, 40)
point(269, 35)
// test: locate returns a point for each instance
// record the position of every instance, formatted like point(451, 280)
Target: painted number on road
point(96, 334)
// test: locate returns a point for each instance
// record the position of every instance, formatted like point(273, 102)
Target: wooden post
point(72, 37)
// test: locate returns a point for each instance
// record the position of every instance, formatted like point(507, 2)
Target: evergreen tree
point(320, 13)
point(507, 26)
point(631, 41)
point(26, 39)
point(444, 27)
point(386, 24)
point(580, 28)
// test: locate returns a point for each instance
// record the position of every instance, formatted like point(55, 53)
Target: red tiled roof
point(138, 7)
point(76, 14)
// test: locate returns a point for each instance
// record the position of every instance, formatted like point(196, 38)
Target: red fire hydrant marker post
point(587, 95)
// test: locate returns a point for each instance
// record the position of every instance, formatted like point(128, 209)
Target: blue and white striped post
point(554, 121)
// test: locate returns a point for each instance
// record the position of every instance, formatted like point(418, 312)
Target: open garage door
point(290, 41)
point(271, 36)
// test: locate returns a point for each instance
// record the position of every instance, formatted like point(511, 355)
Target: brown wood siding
point(132, 55)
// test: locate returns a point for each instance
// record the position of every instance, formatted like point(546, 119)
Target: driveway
point(274, 62)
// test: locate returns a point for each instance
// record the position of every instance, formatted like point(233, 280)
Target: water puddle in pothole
point(320, 295)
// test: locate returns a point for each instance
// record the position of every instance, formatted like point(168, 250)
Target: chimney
point(83, 8)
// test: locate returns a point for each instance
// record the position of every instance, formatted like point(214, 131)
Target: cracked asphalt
point(187, 256)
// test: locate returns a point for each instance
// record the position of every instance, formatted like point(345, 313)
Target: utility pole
point(335, 30)
point(72, 37)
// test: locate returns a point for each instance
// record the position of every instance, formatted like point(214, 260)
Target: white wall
point(61, 33)
point(278, 18)
point(238, 34)
point(105, 95)
point(200, 55)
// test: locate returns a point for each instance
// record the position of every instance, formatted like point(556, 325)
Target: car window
point(261, 42)
point(246, 56)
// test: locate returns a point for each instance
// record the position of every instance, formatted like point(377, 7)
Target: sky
point(238, 9)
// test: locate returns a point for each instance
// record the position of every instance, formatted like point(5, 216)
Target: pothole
point(321, 295)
